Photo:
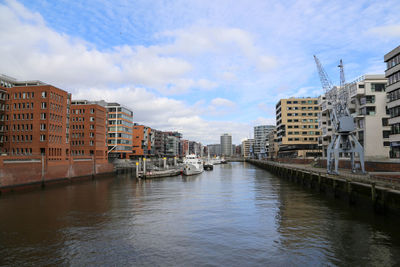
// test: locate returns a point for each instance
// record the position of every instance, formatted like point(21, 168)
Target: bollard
point(174, 161)
point(165, 162)
point(137, 169)
point(144, 166)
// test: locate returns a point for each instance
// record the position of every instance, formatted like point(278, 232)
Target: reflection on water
point(234, 215)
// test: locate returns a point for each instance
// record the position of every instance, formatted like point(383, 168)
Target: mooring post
point(144, 166)
point(174, 161)
point(165, 162)
point(137, 169)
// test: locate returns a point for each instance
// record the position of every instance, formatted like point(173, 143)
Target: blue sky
point(199, 67)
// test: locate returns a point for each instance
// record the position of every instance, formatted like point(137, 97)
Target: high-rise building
point(88, 135)
point(273, 146)
point(226, 144)
point(297, 127)
point(367, 104)
point(36, 119)
point(392, 74)
point(261, 140)
point(247, 147)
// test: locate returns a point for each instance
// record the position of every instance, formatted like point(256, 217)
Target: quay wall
point(370, 166)
point(19, 173)
point(382, 196)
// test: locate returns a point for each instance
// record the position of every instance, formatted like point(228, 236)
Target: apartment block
point(297, 127)
point(88, 135)
point(173, 145)
point(367, 105)
point(4, 97)
point(143, 140)
point(247, 147)
point(392, 73)
point(261, 140)
point(35, 119)
point(120, 127)
point(273, 146)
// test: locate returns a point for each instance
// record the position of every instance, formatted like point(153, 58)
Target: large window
point(377, 87)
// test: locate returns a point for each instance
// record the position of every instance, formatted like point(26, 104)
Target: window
point(44, 105)
point(385, 122)
point(42, 116)
point(44, 94)
point(92, 110)
point(42, 126)
point(42, 137)
point(386, 134)
point(377, 87)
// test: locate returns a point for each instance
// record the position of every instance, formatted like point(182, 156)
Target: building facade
point(36, 119)
point(261, 140)
point(226, 144)
point(273, 146)
point(392, 73)
point(119, 129)
point(143, 141)
point(367, 104)
point(88, 135)
point(247, 148)
point(297, 127)
point(214, 150)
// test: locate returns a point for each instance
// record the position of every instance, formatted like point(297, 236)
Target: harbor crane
point(343, 139)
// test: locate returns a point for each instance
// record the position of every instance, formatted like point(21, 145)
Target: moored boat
point(192, 165)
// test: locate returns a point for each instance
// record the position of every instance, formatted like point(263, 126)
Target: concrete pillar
point(137, 169)
point(165, 162)
point(144, 166)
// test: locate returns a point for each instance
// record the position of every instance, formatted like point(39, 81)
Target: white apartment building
point(261, 140)
point(367, 105)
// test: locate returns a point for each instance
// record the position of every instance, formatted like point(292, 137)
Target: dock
point(381, 193)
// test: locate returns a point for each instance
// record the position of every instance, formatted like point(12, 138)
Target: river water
point(235, 215)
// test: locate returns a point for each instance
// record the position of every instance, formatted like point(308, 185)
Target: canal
point(235, 215)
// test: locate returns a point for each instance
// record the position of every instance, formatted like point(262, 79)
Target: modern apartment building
point(36, 119)
point(142, 140)
point(226, 144)
point(88, 135)
point(367, 104)
point(119, 129)
point(247, 147)
point(297, 127)
point(392, 74)
point(159, 143)
point(173, 145)
point(261, 140)
point(4, 96)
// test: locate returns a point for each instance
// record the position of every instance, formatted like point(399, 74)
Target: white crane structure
point(343, 139)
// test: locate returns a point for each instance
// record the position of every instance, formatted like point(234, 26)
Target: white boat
point(216, 161)
point(192, 165)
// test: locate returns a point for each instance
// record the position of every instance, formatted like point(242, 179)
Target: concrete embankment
point(383, 195)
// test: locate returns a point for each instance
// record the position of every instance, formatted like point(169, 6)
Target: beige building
point(297, 127)
point(273, 146)
point(367, 104)
point(247, 147)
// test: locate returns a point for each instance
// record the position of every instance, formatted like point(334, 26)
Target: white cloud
point(222, 102)
point(392, 31)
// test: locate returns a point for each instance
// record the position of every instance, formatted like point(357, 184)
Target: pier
point(381, 193)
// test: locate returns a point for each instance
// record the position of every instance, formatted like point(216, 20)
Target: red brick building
point(88, 135)
point(36, 120)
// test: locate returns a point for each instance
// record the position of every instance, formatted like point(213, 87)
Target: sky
point(199, 67)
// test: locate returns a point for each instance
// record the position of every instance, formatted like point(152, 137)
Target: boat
point(223, 161)
point(192, 165)
point(208, 165)
point(216, 161)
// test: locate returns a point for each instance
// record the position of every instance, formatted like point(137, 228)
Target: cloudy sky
point(200, 67)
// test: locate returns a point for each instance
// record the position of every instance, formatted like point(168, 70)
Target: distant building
point(392, 74)
point(247, 148)
point(273, 146)
point(172, 145)
point(214, 149)
point(297, 127)
point(261, 140)
point(226, 144)
point(142, 140)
